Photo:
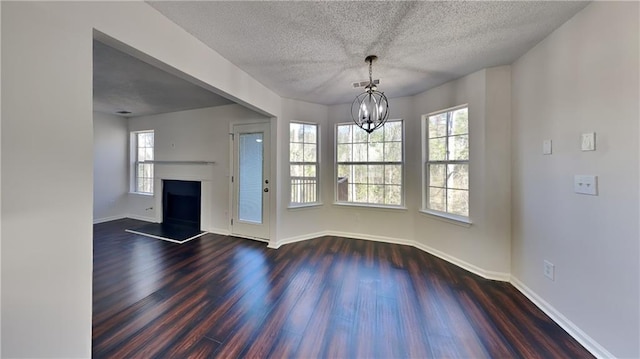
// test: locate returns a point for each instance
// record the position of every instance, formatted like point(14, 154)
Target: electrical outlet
point(549, 270)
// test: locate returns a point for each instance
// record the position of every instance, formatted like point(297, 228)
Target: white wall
point(303, 222)
point(583, 78)
point(193, 135)
point(47, 150)
point(110, 167)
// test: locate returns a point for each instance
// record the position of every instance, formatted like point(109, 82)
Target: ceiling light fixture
point(370, 109)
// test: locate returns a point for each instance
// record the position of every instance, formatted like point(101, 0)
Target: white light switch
point(585, 184)
point(588, 141)
point(546, 147)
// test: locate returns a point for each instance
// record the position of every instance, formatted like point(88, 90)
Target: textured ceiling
point(121, 82)
point(314, 51)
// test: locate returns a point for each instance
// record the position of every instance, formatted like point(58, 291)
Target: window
point(143, 170)
point(370, 166)
point(447, 162)
point(303, 163)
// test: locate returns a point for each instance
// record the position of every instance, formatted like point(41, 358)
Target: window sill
point(305, 205)
point(448, 217)
point(142, 194)
point(371, 206)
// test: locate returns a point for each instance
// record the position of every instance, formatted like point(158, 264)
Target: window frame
point(317, 202)
point(402, 163)
point(136, 162)
point(426, 178)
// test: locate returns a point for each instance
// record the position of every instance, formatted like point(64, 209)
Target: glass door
point(251, 181)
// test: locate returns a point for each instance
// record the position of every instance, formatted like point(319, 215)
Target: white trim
point(487, 274)
point(300, 238)
point(142, 218)
point(581, 337)
point(164, 238)
point(447, 217)
point(108, 219)
point(305, 205)
point(220, 231)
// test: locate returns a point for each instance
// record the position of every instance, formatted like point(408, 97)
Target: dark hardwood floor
point(329, 297)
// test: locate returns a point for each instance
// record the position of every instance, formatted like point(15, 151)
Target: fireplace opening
point(181, 203)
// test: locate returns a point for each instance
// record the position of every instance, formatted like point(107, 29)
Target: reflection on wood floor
point(331, 297)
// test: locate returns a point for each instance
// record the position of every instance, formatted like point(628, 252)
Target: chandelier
point(370, 109)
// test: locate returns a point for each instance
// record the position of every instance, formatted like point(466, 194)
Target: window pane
point(376, 194)
point(360, 174)
point(393, 174)
point(393, 152)
point(310, 134)
point(149, 140)
point(437, 199)
point(376, 136)
point(458, 202)
point(376, 152)
point(295, 152)
point(438, 149)
point(343, 188)
point(360, 135)
point(295, 132)
point(344, 170)
point(360, 152)
point(148, 154)
point(459, 122)
point(459, 148)
point(250, 158)
point(376, 174)
point(359, 193)
point(310, 170)
point(344, 153)
point(457, 176)
point(392, 195)
point(344, 134)
point(141, 154)
point(393, 131)
point(437, 175)
point(309, 152)
point(296, 170)
point(140, 170)
point(438, 125)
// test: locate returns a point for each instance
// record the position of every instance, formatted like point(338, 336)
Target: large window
point(447, 162)
point(143, 169)
point(303, 163)
point(370, 166)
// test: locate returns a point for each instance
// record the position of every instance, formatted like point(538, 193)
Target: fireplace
point(181, 202)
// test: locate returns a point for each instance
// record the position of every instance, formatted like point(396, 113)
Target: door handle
point(266, 190)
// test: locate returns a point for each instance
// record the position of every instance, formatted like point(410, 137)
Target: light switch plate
point(546, 147)
point(585, 184)
point(588, 141)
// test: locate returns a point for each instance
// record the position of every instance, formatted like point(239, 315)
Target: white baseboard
point(142, 218)
point(108, 219)
point(294, 239)
point(458, 262)
point(487, 274)
point(220, 231)
point(581, 337)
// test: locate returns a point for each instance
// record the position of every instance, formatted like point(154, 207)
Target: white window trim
point(318, 202)
point(133, 185)
point(445, 216)
point(401, 206)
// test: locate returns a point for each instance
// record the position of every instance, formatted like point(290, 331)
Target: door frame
point(268, 173)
